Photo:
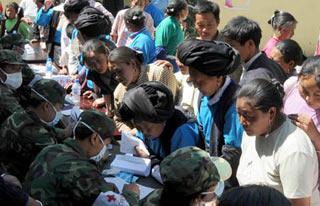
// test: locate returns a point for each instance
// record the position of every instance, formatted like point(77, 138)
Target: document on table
point(144, 191)
point(129, 142)
point(135, 165)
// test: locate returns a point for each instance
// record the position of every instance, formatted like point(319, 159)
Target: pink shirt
point(295, 104)
point(119, 27)
point(269, 46)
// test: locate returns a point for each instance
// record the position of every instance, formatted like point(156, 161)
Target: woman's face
point(255, 122)
point(126, 73)
point(309, 90)
point(278, 57)
point(184, 14)
point(287, 32)
point(207, 85)
point(150, 130)
point(10, 12)
point(97, 62)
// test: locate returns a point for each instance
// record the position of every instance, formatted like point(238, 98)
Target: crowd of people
point(228, 124)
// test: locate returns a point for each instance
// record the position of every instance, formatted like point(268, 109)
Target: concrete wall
point(306, 12)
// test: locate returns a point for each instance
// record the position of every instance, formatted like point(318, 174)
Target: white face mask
point(218, 192)
point(102, 152)
point(57, 116)
point(14, 80)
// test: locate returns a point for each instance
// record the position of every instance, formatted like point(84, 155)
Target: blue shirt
point(160, 4)
point(232, 130)
point(185, 135)
point(155, 13)
point(142, 41)
point(43, 18)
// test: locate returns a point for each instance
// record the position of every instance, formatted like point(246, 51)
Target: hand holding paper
point(129, 143)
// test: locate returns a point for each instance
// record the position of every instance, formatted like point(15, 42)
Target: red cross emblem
point(111, 198)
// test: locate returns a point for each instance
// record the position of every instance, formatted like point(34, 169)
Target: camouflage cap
point(99, 122)
point(10, 40)
point(10, 57)
point(192, 170)
point(50, 89)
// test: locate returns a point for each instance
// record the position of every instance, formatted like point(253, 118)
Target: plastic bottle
point(49, 67)
point(76, 93)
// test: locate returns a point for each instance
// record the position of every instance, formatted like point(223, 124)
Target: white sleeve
point(297, 175)
point(110, 199)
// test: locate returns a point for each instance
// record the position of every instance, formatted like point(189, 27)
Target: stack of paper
point(131, 164)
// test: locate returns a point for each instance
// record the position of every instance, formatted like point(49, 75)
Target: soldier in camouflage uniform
point(25, 133)
point(10, 80)
point(190, 176)
point(67, 174)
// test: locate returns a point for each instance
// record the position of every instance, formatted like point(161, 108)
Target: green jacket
point(63, 175)
point(22, 137)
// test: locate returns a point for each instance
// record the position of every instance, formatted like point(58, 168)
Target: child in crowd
point(13, 22)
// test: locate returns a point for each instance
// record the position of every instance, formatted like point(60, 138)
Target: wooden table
point(34, 54)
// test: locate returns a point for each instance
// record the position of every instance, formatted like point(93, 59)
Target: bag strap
point(15, 27)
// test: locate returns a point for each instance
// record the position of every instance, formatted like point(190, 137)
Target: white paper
point(129, 142)
point(144, 191)
point(136, 165)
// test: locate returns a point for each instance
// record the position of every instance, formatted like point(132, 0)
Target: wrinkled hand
point(88, 94)
point(131, 187)
point(98, 103)
point(141, 152)
point(305, 123)
point(163, 63)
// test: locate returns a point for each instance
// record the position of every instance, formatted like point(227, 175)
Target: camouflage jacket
point(22, 136)
point(11, 99)
point(9, 102)
point(153, 199)
point(63, 175)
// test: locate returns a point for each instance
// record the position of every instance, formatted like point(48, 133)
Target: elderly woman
point(131, 72)
point(275, 152)
point(164, 129)
point(190, 177)
point(209, 64)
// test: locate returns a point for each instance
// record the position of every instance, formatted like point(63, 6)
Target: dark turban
point(151, 102)
point(93, 23)
point(212, 58)
point(74, 6)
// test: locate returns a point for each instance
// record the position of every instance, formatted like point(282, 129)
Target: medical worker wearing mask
point(67, 173)
point(10, 80)
point(25, 133)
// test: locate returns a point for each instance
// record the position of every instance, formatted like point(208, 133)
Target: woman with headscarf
point(209, 64)
point(130, 71)
point(164, 129)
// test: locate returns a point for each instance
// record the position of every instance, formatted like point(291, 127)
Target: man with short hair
point(244, 35)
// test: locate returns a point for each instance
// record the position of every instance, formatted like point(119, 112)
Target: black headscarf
point(93, 23)
point(151, 101)
point(213, 58)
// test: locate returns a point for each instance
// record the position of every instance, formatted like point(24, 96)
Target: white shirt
point(285, 160)
point(29, 8)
